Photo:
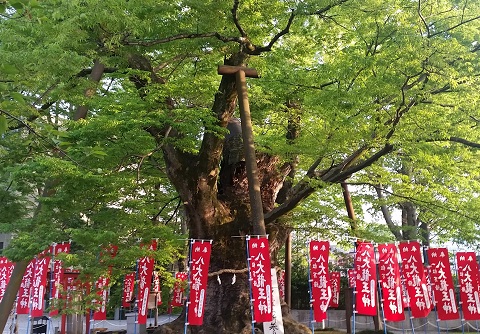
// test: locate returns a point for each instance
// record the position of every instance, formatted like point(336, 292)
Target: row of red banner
point(410, 284)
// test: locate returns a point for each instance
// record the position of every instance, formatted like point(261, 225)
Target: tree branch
point(327, 8)
point(386, 214)
point(182, 36)
point(235, 18)
point(455, 26)
point(334, 175)
point(457, 140)
point(275, 38)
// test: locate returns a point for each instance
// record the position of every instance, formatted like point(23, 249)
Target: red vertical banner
point(156, 287)
point(321, 291)
point(6, 268)
point(335, 284)
point(58, 272)
point(467, 268)
point(281, 285)
point(39, 284)
point(128, 287)
point(179, 289)
point(102, 285)
point(416, 282)
point(71, 286)
point(23, 300)
point(351, 278)
point(102, 294)
point(199, 264)
point(365, 279)
point(389, 273)
point(145, 273)
point(259, 268)
point(442, 284)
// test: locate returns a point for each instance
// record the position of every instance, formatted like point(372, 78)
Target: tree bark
point(10, 295)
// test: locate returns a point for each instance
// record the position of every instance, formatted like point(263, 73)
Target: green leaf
point(3, 124)
point(16, 4)
point(17, 97)
point(7, 68)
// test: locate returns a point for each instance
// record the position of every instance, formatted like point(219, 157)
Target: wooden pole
point(288, 271)
point(248, 145)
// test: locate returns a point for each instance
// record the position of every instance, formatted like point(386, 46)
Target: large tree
point(112, 106)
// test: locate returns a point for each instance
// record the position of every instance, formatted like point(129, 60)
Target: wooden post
point(247, 134)
point(288, 271)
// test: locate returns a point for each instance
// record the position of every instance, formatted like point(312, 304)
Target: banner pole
point(187, 290)
point(310, 293)
point(402, 282)
point(460, 309)
point(432, 296)
point(135, 305)
point(250, 286)
point(379, 287)
point(354, 292)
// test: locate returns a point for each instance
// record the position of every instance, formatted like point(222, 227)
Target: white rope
point(96, 324)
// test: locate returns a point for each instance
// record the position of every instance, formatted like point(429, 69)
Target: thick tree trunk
point(227, 308)
point(10, 295)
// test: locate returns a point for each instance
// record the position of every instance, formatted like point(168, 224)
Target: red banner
point(102, 293)
point(6, 268)
point(442, 284)
point(179, 289)
point(281, 285)
point(467, 268)
point(71, 286)
point(157, 288)
point(145, 272)
point(335, 284)
point(351, 278)
point(413, 270)
point(39, 284)
point(321, 291)
point(389, 272)
point(128, 287)
point(199, 264)
point(23, 300)
point(58, 272)
point(102, 284)
point(260, 278)
point(366, 277)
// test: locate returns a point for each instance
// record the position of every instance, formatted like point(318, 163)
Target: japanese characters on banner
point(156, 287)
point(6, 268)
point(366, 278)
point(58, 272)
point(389, 273)
point(39, 284)
point(23, 299)
point(276, 325)
point(179, 289)
point(351, 278)
point(128, 288)
point(442, 284)
point(71, 285)
point(321, 291)
point(102, 292)
point(335, 284)
point(145, 272)
point(102, 285)
point(413, 270)
point(199, 264)
point(467, 269)
point(281, 285)
point(259, 269)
